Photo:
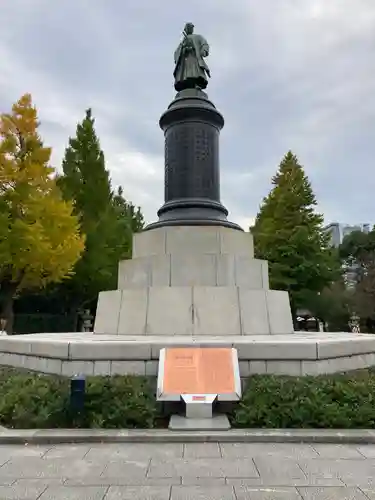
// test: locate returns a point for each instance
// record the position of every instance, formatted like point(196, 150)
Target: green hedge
point(343, 401)
point(29, 400)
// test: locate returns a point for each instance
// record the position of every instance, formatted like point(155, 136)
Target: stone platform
point(301, 354)
point(190, 286)
point(189, 280)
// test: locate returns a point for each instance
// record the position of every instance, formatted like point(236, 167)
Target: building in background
point(338, 231)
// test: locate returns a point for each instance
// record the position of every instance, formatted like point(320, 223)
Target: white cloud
point(297, 74)
point(139, 174)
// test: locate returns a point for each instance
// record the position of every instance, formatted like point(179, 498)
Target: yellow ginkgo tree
point(40, 239)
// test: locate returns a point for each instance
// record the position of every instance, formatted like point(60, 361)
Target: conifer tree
point(127, 211)
point(289, 233)
point(104, 220)
point(86, 180)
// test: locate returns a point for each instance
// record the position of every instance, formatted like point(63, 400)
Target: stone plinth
point(299, 354)
point(190, 286)
point(214, 240)
point(193, 281)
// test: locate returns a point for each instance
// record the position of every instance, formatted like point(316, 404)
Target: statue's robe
point(191, 70)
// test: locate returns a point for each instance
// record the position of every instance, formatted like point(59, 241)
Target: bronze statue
point(191, 71)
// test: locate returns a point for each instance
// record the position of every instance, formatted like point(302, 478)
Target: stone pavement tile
point(338, 451)
point(127, 480)
point(369, 493)
point(202, 493)
point(312, 493)
point(74, 493)
point(40, 481)
point(202, 450)
point(202, 481)
point(264, 493)
point(25, 491)
point(362, 482)
point(275, 469)
point(67, 451)
point(7, 481)
point(138, 493)
point(200, 467)
point(367, 450)
point(135, 451)
point(9, 451)
point(283, 482)
point(31, 467)
point(127, 469)
point(285, 450)
point(351, 472)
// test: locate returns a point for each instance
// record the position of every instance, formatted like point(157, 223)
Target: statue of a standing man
point(191, 71)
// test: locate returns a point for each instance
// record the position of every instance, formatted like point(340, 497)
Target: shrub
point(335, 401)
point(29, 400)
point(33, 401)
point(120, 401)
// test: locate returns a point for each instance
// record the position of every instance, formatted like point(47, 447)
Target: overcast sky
point(286, 74)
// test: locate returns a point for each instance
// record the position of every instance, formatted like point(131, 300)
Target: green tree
point(358, 255)
point(289, 234)
point(357, 252)
point(85, 179)
point(39, 236)
point(127, 211)
point(106, 218)
point(333, 305)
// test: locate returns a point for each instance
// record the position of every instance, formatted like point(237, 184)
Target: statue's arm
point(205, 50)
point(177, 53)
point(204, 47)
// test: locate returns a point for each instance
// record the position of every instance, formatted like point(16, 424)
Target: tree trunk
point(8, 290)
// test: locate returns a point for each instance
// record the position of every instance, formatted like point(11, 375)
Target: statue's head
point(189, 28)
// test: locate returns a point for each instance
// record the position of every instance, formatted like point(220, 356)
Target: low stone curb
point(60, 436)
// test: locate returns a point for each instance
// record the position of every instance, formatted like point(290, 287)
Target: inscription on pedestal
point(191, 127)
point(191, 162)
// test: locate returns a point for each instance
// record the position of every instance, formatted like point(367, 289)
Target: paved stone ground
point(191, 471)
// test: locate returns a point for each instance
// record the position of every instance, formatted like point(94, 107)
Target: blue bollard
point(77, 393)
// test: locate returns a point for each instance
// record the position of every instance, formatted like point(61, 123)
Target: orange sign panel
point(198, 371)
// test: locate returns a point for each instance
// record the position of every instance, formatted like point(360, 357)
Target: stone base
point(198, 311)
point(198, 281)
point(84, 353)
point(216, 423)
